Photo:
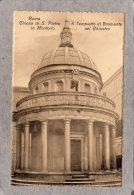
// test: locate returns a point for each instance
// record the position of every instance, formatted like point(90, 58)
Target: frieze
point(61, 113)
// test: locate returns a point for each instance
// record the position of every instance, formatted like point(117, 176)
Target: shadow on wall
point(132, 193)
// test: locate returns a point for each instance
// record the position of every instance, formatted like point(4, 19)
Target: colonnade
point(108, 146)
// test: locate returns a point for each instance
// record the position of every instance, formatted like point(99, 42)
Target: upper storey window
point(36, 89)
point(45, 87)
point(74, 85)
point(59, 85)
point(87, 88)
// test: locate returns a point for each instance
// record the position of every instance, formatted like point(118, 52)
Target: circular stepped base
point(87, 183)
point(78, 179)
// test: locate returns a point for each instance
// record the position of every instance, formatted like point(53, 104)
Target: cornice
point(69, 68)
point(59, 108)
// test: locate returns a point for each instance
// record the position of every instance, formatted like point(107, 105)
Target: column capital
point(107, 124)
point(113, 128)
point(90, 121)
point(44, 122)
point(67, 120)
point(26, 124)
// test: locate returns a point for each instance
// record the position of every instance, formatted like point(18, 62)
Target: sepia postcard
point(67, 98)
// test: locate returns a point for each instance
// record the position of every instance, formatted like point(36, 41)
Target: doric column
point(26, 146)
point(44, 146)
point(106, 147)
point(30, 150)
point(113, 151)
point(18, 147)
point(22, 150)
point(98, 151)
point(90, 146)
point(67, 145)
point(85, 165)
point(95, 149)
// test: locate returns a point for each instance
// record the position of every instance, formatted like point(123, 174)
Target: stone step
point(115, 182)
point(27, 181)
point(79, 179)
point(21, 184)
point(100, 183)
point(80, 176)
point(70, 183)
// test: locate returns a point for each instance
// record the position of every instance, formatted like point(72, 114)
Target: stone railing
point(67, 99)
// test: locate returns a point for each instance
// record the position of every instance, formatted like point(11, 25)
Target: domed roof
point(65, 53)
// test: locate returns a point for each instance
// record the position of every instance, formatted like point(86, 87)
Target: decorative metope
point(67, 98)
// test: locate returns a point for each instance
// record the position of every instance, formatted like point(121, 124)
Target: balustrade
point(52, 99)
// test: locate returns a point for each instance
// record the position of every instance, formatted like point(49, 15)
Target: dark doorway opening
point(76, 155)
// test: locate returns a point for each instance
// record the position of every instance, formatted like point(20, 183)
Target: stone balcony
point(65, 99)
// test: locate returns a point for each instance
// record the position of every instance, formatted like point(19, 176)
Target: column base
point(68, 172)
point(114, 170)
point(91, 171)
point(26, 170)
point(44, 172)
point(108, 171)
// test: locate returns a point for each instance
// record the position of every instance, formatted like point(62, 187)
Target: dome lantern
point(66, 36)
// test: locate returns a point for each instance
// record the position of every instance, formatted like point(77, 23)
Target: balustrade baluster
point(89, 101)
point(108, 105)
point(49, 100)
point(29, 103)
point(65, 99)
point(101, 103)
point(71, 99)
point(60, 99)
point(95, 101)
point(80, 99)
point(44, 100)
point(73, 96)
point(104, 104)
point(92, 101)
point(40, 100)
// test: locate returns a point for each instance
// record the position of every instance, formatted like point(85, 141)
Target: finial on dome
point(66, 36)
